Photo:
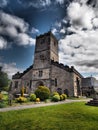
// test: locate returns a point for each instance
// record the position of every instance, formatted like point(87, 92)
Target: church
point(47, 71)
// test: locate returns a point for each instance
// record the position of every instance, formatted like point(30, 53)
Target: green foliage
point(64, 96)
point(61, 98)
point(42, 92)
point(1, 96)
point(2, 105)
point(22, 91)
point(37, 99)
point(32, 97)
point(56, 98)
point(4, 81)
point(21, 99)
point(55, 93)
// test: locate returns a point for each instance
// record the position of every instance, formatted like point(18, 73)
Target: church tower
point(46, 49)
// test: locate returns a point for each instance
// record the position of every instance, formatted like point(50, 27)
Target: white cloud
point(12, 20)
point(62, 30)
point(80, 48)
point(54, 31)
point(34, 30)
point(24, 39)
point(81, 16)
point(3, 43)
point(10, 69)
point(16, 29)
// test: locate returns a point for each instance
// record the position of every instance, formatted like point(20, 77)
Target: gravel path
point(40, 105)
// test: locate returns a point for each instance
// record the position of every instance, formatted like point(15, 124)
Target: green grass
point(73, 116)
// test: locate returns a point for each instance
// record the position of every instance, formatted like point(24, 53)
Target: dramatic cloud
point(80, 48)
point(10, 69)
point(13, 30)
point(54, 31)
point(3, 43)
point(34, 31)
point(81, 15)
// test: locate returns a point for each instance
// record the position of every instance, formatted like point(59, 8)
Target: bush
point(55, 93)
point(61, 98)
point(2, 105)
point(1, 96)
point(42, 92)
point(56, 98)
point(21, 99)
point(64, 96)
point(22, 91)
point(32, 97)
point(37, 99)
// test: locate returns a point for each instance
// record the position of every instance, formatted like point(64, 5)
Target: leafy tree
point(4, 81)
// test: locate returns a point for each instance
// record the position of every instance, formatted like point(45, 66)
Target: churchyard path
point(42, 104)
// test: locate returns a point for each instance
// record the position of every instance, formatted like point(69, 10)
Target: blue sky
point(73, 22)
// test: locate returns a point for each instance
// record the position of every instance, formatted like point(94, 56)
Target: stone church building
point(46, 70)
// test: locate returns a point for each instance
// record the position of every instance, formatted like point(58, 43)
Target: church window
point(55, 82)
point(40, 73)
point(30, 83)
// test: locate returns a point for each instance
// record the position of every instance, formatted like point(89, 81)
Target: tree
point(4, 81)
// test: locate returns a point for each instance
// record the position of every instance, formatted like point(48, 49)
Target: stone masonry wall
point(63, 79)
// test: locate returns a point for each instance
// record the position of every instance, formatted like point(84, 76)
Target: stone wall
point(42, 59)
point(26, 79)
point(39, 82)
point(54, 49)
point(77, 88)
point(16, 88)
point(63, 80)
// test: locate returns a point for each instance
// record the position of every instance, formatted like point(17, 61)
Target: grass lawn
point(73, 116)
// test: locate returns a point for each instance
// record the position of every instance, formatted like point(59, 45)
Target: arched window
point(55, 82)
point(40, 73)
point(40, 83)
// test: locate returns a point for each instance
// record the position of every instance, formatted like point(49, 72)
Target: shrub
point(2, 105)
point(61, 98)
point(21, 99)
point(64, 96)
point(22, 91)
point(56, 98)
point(42, 92)
point(55, 93)
point(32, 97)
point(37, 99)
point(1, 96)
